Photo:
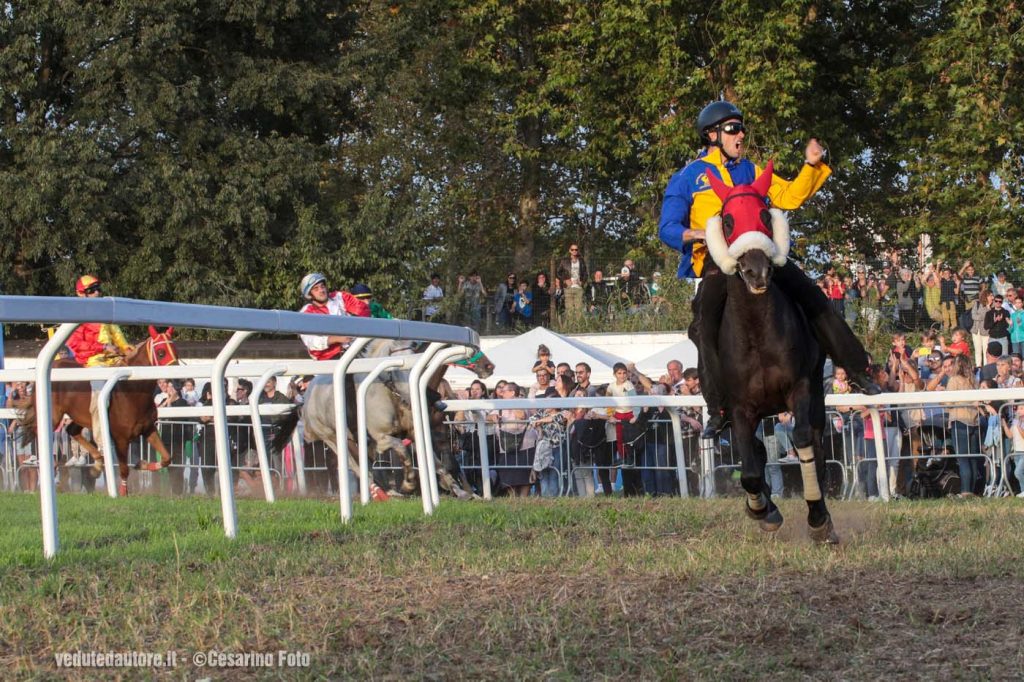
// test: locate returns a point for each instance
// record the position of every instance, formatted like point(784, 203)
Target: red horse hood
point(746, 223)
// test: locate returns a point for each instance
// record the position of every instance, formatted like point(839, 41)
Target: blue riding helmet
point(310, 281)
point(713, 114)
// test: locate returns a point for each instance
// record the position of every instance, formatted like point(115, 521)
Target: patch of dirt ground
point(844, 626)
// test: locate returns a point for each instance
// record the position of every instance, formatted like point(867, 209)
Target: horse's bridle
point(470, 362)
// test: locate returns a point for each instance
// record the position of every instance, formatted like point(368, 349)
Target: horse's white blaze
point(812, 492)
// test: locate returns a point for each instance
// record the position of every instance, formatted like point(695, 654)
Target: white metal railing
point(873, 403)
point(243, 321)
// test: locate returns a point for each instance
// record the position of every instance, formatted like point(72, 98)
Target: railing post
point(485, 456)
point(257, 429)
point(439, 359)
point(220, 428)
point(44, 437)
point(416, 398)
point(677, 435)
point(341, 426)
point(882, 474)
point(109, 449)
point(299, 459)
point(364, 456)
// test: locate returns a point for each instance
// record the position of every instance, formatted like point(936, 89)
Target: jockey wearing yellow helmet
point(96, 344)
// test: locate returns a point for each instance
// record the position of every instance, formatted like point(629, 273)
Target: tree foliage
point(214, 152)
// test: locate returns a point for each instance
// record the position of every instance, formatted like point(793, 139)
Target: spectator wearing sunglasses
point(95, 344)
point(573, 273)
point(688, 204)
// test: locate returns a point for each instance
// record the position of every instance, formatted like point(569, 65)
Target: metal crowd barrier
point(916, 439)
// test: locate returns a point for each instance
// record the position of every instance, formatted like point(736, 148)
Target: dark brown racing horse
point(771, 362)
point(132, 410)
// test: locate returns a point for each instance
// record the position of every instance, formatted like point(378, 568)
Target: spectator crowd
point(522, 302)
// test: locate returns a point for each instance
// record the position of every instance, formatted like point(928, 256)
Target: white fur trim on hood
point(726, 256)
point(755, 239)
point(717, 246)
point(780, 235)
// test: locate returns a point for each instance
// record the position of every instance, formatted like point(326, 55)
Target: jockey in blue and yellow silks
point(689, 200)
point(689, 203)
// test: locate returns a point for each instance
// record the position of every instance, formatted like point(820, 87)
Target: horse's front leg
point(807, 441)
point(759, 505)
point(97, 456)
point(154, 440)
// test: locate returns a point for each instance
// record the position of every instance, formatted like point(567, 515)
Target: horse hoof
point(96, 470)
point(122, 489)
point(149, 466)
point(825, 534)
point(407, 489)
point(772, 522)
point(378, 494)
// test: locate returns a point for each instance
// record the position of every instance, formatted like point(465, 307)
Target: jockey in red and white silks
point(314, 289)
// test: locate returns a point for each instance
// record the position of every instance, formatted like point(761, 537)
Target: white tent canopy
point(654, 366)
point(513, 360)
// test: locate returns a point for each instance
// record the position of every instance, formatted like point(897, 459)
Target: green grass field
point(519, 589)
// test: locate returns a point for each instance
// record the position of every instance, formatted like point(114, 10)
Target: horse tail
point(27, 420)
point(289, 421)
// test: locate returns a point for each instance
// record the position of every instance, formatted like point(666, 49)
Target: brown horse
point(132, 410)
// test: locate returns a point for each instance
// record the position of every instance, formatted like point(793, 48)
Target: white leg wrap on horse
point(756, 501)
point(812, 492)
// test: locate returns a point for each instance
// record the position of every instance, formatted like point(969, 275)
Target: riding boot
point(831, 331)
point(708, 307)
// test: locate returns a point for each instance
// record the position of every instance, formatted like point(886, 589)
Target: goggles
point(733, 128)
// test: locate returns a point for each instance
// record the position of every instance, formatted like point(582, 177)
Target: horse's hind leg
point(807, 441)
point(758, 505)
point(122, 465)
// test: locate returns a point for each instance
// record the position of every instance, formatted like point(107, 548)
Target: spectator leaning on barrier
point(963, 424)
point(1013, 429)
point(342, 303)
